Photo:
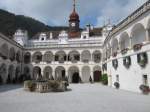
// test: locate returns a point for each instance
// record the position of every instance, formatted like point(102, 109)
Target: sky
point(56, 12)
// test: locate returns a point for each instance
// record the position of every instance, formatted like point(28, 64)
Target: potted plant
point(117, 85)
point(124, 51)
point(142, 59)
point(145, 89)
point(105, 79)
point(29, 85)
point(137, 47)
point(142, 63)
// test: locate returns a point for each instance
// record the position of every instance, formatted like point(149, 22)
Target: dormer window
point(84, 37)
point(42, 39)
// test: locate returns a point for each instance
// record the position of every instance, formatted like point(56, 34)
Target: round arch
point(114, 46)
point(17, 73)
point(124, 41)
point(27, 57)
point(48, 73)
point(27, 71)
point(37, 72)
point(60, 73)
point(12, 54)
point(86, 56)
point(4, 51)
point(97, 74)
point(74, 75)
point(97, 56)
point(48, 57)
point(138, 34)
point(60, 56)
point(37, 57)
point(18, 56)
point(11, 71)
point(74, 56)
point(3, 73)
point(86, 73)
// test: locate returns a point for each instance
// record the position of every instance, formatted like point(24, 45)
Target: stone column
point(42, 72)
point(130, 42)
point(53, 74)
point(91, 75)
point(119, 46)
point(80, 57)
point(147, 36)
point(80, 74)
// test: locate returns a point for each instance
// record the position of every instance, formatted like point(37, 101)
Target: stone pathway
point(82, 98)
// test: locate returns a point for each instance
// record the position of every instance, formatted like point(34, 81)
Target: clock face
point(73, 24)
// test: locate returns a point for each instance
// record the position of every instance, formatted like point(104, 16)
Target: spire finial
point(74, 5)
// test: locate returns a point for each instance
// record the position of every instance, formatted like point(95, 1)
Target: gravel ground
point(81, 98)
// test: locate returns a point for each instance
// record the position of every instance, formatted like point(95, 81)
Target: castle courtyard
point(80, 98)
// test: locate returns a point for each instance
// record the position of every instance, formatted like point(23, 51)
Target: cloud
point(117, 12)
point(56, 12)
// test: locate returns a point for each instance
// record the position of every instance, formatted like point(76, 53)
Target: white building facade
point(126, 51)
point(82, 55)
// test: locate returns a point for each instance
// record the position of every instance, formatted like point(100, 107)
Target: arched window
point(48, 73)
point(48, 57)
point(60, 56)
point(60, 73)
point(12, 54)
point(86, 56)
point(115, 47)
point(18, 56)
point(124, 41)
point(27, 58)
point(138, 34)
point(86, 74)
point(74, 56)
point(37, 73)
point(97, 56)
point(37, 57)
point(4, 51)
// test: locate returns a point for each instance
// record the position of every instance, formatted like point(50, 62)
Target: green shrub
point(105, 79)
point(30, 84)
point(53, 84)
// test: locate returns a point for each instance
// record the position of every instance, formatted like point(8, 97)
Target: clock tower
point(74, 23)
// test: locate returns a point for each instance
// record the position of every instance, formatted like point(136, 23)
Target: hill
point(10, 22)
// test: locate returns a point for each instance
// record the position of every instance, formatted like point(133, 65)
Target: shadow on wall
point(5, 88)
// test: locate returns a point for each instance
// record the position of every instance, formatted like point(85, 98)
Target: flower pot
point(144, 89)
point(117, 85)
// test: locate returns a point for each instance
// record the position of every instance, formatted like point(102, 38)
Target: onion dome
point(74, 16)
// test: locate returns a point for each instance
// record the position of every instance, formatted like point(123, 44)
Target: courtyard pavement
point(81, 98)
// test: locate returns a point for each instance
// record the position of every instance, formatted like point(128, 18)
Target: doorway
point(97, 76)
point(75, 78)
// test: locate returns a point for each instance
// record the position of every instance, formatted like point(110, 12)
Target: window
point(56, 58)
point(84, 37)
point(117, 78)
point(42, 39)
point(77, 57)
point(145, 80)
